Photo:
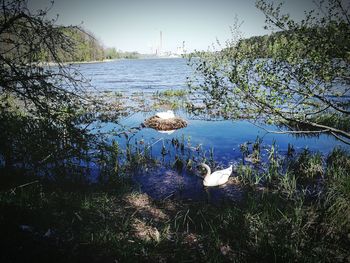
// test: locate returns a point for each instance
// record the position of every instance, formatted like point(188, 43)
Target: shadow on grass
point(65, 221)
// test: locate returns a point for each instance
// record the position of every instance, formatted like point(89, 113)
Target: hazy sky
point(134, 25)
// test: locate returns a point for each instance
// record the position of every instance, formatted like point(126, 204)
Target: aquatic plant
point(338, 163)
point(307, 165)
point(244, 150)
point(247, 175)
point(172, 93)
point(290, 150)
point(287, 184)
point(338, 190)
point(274, 163)
point(256, 150)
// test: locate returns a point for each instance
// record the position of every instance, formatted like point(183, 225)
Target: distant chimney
point(160, 41)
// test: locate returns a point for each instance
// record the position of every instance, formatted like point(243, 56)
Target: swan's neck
point(206, 168)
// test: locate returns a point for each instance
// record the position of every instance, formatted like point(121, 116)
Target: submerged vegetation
point(69, 190)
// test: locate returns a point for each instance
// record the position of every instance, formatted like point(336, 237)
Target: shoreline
point(99, 61)
point(75, 62)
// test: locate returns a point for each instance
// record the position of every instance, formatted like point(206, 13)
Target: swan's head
point(200, 169)
point(170, 114)
point(203, 168)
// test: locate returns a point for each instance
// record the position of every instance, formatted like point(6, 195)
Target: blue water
point(224, 137)
point(129, 76)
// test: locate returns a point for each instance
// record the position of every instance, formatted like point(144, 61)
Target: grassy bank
point(291, 213)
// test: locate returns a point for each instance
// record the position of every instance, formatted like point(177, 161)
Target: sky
point(134, 25)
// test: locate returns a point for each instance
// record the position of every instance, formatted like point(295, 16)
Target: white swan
point(166, 114)
point(216, 178)
point(167, 132)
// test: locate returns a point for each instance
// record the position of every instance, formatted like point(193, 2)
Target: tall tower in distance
point(160, 42)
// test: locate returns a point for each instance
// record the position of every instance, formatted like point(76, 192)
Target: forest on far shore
point(82, 46)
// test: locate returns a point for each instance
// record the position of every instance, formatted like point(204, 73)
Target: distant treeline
point(278, 44)
point(86, 47)
point(112, 53)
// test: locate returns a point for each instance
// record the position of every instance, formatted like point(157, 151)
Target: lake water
point(224, 137)
point(145, 75)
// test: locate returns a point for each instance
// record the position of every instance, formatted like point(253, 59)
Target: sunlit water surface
point(224, 137)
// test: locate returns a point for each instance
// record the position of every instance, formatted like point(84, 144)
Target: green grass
point(95, 225)
point(278, 219)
